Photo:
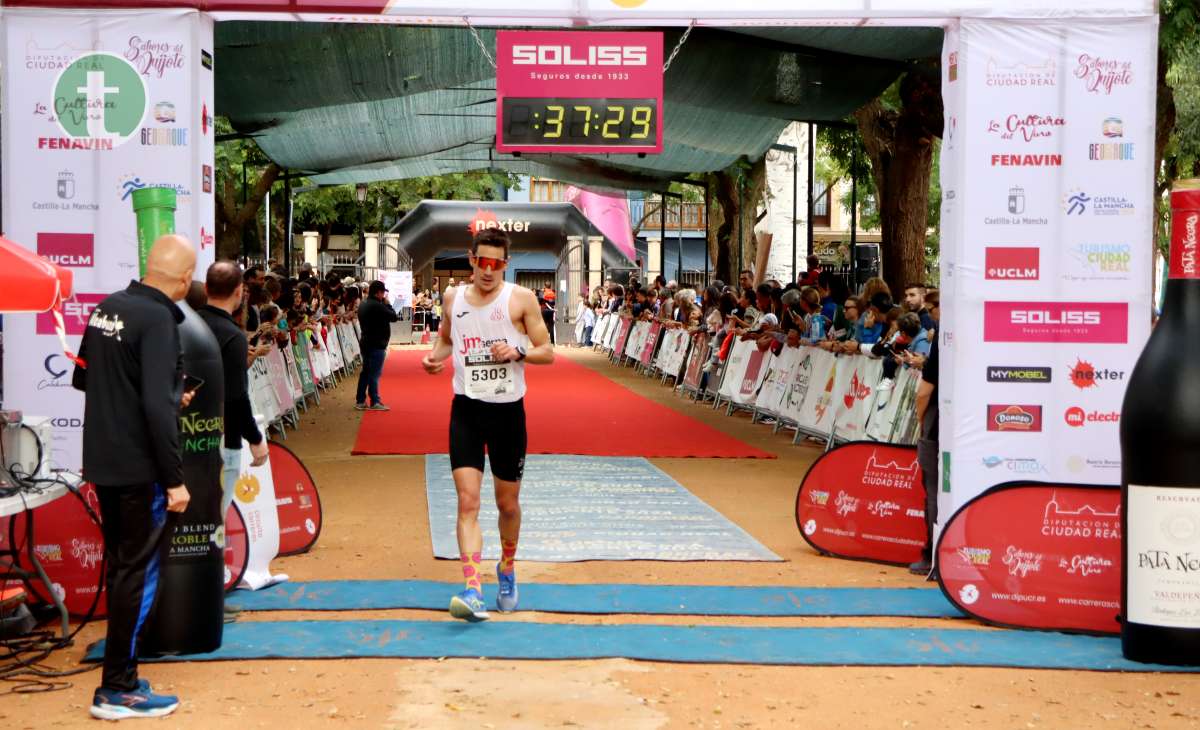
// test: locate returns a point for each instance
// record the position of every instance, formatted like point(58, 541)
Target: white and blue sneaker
point(469, 606)
point(506, 598)
point(108, 704)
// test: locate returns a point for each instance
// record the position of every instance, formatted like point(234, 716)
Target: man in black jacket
point(375, 317)
point(223, 284)
point(134, 388)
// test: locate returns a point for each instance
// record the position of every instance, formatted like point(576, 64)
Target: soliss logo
point(567, 56)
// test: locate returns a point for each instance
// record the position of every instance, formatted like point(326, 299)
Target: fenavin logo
point(1015, 374)
point(100, 100)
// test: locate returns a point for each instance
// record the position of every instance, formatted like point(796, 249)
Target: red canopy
point(28, 282)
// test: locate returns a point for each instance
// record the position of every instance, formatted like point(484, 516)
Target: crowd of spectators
point(817, 310)
point(280, 310)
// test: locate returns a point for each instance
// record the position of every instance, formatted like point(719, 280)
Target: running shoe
point(360, 406)
point(469, 606)
point(506, 599)
point(378, 407)
point(110, 704)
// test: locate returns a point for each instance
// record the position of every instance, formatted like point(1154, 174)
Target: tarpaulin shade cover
point(360, 103)
point(434, 226)
point(28, 282)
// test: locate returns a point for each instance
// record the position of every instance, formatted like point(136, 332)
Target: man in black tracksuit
point(375, 317)
point(223, 285)
point(131, 452)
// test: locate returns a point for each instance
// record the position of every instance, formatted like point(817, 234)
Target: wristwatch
point(520, 353)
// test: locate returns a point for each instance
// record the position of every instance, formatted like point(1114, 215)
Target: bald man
point(133, 383)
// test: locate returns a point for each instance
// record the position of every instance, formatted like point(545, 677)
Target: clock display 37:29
point(580, 122)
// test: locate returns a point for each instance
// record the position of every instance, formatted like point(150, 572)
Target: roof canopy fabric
point(434, 226)
point(28, 282)
point(360, 103)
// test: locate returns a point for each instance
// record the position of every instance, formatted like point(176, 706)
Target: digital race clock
point(563, 91)
point(579, 122)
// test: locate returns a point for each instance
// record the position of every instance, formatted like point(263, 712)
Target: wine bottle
point(1160, 463)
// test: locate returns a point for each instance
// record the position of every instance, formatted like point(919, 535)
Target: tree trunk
point(234, 219)
point(900, 145)
point(1164, 126)
point(723, 223)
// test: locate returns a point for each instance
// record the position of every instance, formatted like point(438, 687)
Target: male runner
point(487, 326)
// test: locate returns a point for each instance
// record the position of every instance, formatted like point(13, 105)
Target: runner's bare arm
point(541, 351)
point(434, 362)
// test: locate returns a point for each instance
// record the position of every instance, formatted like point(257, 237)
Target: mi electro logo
point(1014, 374)
point(566, 56)
point(1012, 263)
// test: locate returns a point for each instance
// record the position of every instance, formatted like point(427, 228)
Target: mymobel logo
point(1015, 374)
point(1012, 263)
point(555, 55)
point(67, 249)
point(100, 100)
point(1088, 322)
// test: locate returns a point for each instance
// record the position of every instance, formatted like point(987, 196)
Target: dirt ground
point(376, 527)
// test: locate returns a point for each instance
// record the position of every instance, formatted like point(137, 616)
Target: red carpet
point(569, 409)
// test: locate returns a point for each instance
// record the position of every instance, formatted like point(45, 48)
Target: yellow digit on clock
point(605, 132)
point(641, 118)
point(555, 120)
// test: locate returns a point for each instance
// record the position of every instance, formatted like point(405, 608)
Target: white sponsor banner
point(672, 352)
point(400, 287)
point(600, 334)
point(69, 171)
point(1047, 177)
point(856, 395)
point(776, 383)
point(637, 338)
point(254, 492)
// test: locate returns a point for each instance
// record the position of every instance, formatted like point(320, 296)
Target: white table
point(27, 502)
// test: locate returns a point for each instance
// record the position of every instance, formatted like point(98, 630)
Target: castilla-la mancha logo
point(100, 101)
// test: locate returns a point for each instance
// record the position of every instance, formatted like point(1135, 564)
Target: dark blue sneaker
point(469, 606)
point(110, 704)
point(506, 599)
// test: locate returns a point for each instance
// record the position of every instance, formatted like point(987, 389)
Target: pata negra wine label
point(1185, 243)
point(1162, 552)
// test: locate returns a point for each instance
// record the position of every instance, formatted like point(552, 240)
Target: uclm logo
point(1085, 322)
point(76, 250)
point(76, 312)
point(558, 55)
point(1004, 263)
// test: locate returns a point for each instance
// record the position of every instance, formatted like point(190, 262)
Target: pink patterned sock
point(470, 568)
point(507, 556)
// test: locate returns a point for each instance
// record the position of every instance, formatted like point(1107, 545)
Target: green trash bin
point(155, 211)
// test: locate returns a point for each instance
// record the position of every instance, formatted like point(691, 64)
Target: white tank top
point(473, 330)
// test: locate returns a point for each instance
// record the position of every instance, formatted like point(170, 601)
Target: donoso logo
point(76, 312)
point(1022, 418)
point(1015, 263)
point(76, 250)
point(1086, 322)
point(554, 55)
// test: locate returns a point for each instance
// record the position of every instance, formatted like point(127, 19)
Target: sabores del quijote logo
point(1103, 74)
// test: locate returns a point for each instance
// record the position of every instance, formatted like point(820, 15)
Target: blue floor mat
point(350, 595)
point(500, 639)
point(593, 508)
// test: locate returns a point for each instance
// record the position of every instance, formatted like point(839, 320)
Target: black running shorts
point(500, 427)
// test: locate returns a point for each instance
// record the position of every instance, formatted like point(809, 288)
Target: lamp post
point(360, 194)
